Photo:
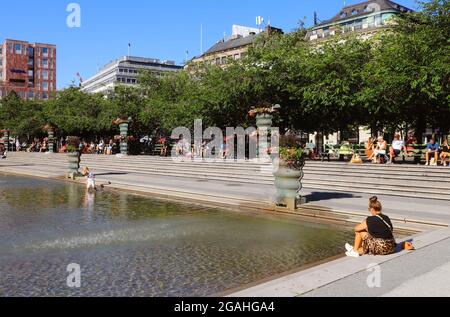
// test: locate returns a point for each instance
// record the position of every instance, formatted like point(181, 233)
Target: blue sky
point(158, 29)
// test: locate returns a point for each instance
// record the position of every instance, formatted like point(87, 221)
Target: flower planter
point(288, 185)
point(264, 123)
point(74, 163)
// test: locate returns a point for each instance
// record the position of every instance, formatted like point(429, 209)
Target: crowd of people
point(379, 152)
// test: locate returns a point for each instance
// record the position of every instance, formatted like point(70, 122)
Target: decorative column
point(264, 123)
point(73, 156)
point(124, 137)
point(6, 139)
point(51, 140)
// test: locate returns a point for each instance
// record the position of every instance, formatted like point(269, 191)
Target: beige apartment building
point(233, 47)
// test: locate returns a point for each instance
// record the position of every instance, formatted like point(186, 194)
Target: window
point(354, 12)
point(30, 73)
point(44, 95)
point(45, 74)
point(51, 86)
point(45, 62)
point(45, 51)
point(343, 14)
point(30, 94)
point(18, 48)
point(45, 85)
point(30, 51)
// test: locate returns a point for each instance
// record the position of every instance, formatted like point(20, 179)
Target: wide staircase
point(396, 180)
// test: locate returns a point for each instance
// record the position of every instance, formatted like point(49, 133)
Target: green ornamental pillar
point(51, 140)
point(6, 139)
point(124, 137)
point(264, 124)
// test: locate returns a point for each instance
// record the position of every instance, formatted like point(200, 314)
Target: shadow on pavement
point(318, 196)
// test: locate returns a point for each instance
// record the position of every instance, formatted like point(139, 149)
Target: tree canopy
point(399, 79)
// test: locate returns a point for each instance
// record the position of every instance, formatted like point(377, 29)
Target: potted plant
point(289, 161)
point(73, 155)
point(264, 114)
point(264, 120)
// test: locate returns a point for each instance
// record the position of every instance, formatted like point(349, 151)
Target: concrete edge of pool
point(309, 278)
point(306, 281)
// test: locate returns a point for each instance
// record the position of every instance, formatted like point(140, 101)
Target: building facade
point(364, 19)
point(29, 69)
point(125, 71)
point(233, 47)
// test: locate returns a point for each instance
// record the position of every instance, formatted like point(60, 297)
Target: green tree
point(22, 118)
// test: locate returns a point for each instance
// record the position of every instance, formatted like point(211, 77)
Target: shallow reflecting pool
point(128, 245)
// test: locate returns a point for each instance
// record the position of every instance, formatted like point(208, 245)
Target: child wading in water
point(90, 178)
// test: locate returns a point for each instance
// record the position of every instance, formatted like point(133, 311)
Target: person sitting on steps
point(432, 152)
point(375, 236)
point(380, 151)
point(397, 147)
point(445, 152)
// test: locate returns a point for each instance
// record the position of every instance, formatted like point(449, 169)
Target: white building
point(125, 71)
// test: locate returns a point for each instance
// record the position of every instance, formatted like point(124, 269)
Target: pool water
point(129, 245)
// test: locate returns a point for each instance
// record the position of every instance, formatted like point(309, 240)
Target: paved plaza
point(401, 274)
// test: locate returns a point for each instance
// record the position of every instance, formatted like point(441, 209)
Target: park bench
point(346, 150)
point(417, 153)
point(329, 151)
point(159, 149)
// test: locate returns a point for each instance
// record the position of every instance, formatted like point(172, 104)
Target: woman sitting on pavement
point(445, 152)
point(375, 236)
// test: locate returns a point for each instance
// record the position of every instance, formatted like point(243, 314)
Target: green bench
point(159, 150)
point(417, 152)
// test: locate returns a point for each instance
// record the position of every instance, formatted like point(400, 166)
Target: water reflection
point(132, 246)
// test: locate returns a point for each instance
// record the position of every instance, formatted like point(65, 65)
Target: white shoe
point(348, 247)
point(352, 254)
point(427, 164)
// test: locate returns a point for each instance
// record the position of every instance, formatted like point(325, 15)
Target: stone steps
point(395, 180)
